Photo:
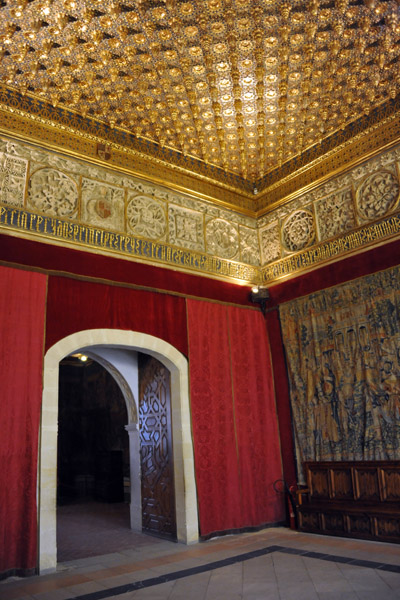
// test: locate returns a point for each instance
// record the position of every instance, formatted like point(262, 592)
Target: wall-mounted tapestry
point(343, 356)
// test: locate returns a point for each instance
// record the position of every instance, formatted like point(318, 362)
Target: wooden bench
point(358, 499)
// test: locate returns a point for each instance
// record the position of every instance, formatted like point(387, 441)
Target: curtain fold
point(282, 396)
point(215, 450)
point(342, 346)
point(236, 442)
point(255, 416)
point(22, 316)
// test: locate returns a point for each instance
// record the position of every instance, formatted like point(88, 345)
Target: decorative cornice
point(69, 233)
point(332, 250)
point(154, 161)
point(346, 149)
point(31, 119)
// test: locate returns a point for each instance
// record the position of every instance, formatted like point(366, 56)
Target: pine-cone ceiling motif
point(241, 84)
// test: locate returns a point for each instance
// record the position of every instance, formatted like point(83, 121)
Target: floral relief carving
point(377, 195)
point(249, 249)
point(270, 243)
point(146, 217)
point(298, 230)
point(52, 192)
point(12, 179)
point(102, 205)
point(222, 239)
point(185, 227)
point(335, 215)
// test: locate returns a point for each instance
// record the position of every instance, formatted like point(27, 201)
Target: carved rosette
point(249, 250)
point(298, 231)
point(222, 239)
point(377, 195)
point(146, 217)
point(270, 243)
point(102, 205)
point(335, 215)
point(185, 227)
point(53, 193)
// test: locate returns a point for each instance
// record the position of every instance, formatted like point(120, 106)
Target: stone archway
point(185, 489)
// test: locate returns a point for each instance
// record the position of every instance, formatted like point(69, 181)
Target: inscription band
point(128, 245)
point(355, 240)
point(162, 253)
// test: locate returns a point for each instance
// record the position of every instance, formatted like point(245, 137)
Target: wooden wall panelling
point(352, 499)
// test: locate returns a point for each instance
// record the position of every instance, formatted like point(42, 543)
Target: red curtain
point(282, 397)
point(75, 305)
point(216, 460)
point(87, 264)
point(22, 313)
point(236, 443)
point(255, 414)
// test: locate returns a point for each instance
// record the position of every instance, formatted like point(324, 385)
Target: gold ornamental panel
point(238, 92)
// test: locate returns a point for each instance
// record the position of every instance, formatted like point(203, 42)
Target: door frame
point(184, 475)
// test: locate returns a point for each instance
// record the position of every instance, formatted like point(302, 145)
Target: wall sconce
point(259, 295)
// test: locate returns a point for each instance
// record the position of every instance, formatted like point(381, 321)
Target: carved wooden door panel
point(158, 494)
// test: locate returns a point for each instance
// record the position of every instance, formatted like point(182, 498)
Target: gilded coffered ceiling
point(239, 86)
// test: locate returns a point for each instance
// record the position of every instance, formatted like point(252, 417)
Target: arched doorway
point(93, 470)
point(101, 342)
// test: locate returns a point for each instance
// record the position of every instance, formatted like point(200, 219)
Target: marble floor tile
point(276, 564)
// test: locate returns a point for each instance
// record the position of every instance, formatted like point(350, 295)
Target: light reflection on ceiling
point(244, 85)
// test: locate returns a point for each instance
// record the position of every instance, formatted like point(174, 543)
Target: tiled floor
point(276, 563)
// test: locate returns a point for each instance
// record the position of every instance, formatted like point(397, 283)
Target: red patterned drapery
point(282, 396)
point(22, 315)
point(255, 415)
point(238, 473)
point(75, 305)
point(236, 442)
point(111, 269)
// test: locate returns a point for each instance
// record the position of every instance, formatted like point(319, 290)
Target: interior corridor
point(93, 528)
point(276, 564)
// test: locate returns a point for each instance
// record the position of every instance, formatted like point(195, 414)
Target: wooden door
point(158, 494)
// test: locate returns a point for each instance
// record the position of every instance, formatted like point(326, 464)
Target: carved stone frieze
point(119, 202)
point(335, 215)
point(270, 243)
point(377, 195)
point(185, 228)
point(146, 189)
point(102, 205)
point(249, 248)
point(146, 217)
point(298, 231)
point(13, 172)
point(53, 193)
point(222, 239)
point(216, 212)
point(305, 230)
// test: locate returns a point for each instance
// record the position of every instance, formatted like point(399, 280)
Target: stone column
point(136, 491)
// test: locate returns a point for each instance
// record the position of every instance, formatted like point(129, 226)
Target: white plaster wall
point(126, 363)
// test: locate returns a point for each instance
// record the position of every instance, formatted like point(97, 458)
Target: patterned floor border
point(138, 585)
